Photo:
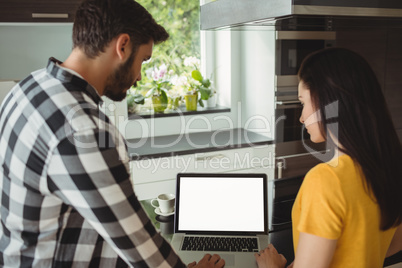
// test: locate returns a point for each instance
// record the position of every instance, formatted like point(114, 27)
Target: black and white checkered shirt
point(66, 196)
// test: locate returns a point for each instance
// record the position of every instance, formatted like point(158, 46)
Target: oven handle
point(305, 35)
point(288, 102)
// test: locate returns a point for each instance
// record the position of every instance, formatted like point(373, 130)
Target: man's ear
point(123, 46)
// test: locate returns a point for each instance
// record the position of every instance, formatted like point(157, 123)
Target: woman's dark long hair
point(353, 109)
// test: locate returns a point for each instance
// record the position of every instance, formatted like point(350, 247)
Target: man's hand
point(270, 258)
point(208, 262)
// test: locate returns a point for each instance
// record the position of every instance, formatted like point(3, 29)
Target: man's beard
point(120, 80)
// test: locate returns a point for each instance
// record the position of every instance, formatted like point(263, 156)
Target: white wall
point(258, 81)
point(27, 47)
point(5, 87)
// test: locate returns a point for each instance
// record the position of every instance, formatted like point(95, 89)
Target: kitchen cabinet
point(26, 47)
point(38, 11)
point(381, 48)
point(157, 175)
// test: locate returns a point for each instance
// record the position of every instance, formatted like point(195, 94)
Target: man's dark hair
point(98, 22)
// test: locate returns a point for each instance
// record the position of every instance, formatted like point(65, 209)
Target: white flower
point(162, 70)
point(158, 73)
point(192, 61)
point(155, 75)
point(179, 80)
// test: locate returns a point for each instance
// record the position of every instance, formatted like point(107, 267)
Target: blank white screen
point(221, 204)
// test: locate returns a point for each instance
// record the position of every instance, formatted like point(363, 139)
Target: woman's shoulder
point(327, 181)
point(335, 169)
point(336, 164)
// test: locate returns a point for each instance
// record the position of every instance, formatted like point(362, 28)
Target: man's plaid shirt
point(65, 190)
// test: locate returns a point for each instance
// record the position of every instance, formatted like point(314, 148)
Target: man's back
point(39, 119)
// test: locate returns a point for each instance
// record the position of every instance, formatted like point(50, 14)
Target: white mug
point(165, 202)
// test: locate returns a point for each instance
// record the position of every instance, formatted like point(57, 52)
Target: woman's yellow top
point(334, 203)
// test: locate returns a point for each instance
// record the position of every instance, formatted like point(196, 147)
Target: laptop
point(225, 214)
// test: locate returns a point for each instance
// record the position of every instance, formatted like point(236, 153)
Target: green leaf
point(165, 85)
point(197, 75)
point(206, 83)
point(150, 92)
point(139, 99)
point(205, 93)
point(201, 103)
point(164, 98)
point(136, 98)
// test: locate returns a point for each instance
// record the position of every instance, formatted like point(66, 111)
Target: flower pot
point(210, 103)
point(191, 102)
point(157, 103)
point(173, 103)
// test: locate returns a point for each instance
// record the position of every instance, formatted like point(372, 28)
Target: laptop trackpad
point(229, 259)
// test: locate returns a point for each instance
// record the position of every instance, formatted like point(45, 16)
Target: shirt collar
point(65, 75)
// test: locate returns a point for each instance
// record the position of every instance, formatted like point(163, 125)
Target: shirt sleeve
point(322, 204)
point(89, 171)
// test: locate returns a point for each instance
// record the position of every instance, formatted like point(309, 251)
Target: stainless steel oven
point(287, 110)
point(291, 48)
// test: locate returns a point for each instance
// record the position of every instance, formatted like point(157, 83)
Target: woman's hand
point(270, 258)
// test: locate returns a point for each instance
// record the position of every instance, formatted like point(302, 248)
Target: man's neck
point(94, 70)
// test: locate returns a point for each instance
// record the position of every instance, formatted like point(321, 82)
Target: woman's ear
point(123, 46)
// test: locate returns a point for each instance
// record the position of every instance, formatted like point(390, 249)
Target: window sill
point(181, 111)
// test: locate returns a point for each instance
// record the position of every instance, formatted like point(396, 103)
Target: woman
point(348, 211)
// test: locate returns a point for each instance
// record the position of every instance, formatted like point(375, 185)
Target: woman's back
point(334, 203)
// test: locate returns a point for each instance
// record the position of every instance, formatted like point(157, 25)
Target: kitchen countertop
point(282, 240)
point(190, 143)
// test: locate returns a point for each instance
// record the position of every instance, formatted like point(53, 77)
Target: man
point(66, 197)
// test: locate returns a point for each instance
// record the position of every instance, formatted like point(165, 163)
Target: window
point(168, 73)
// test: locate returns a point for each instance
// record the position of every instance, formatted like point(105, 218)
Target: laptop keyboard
point(202, 243)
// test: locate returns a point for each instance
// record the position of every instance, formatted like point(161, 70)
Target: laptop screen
point(221, 203)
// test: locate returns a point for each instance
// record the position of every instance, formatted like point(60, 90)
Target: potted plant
point(158, 88)
point(173, 101)
point(205, 89)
